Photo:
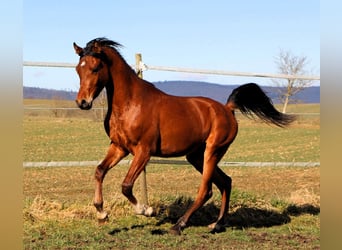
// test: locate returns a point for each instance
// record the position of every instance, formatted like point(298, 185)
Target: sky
point(243, 36)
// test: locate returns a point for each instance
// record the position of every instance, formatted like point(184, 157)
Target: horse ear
point(78, 50)
point(97, 48)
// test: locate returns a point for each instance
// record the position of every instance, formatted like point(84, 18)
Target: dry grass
point(304, 196)
point(41, 210)
point(71, 189)
point(280, 183)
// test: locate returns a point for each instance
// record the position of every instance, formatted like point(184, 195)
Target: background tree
point(290, 64)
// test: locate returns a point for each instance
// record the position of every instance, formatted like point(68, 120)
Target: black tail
point(250, 98)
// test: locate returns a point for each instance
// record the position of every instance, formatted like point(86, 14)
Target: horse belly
point(181, 137)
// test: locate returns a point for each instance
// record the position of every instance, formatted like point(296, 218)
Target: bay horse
point(144, 121)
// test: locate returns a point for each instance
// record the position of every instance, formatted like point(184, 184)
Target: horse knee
point(100, 173)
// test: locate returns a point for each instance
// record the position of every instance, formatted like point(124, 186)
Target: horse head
point(93, 72)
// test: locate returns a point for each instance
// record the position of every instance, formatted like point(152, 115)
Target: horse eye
point(96, 69)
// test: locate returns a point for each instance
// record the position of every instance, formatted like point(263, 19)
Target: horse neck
point(122, 81)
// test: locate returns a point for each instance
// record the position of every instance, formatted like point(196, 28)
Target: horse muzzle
point(84, 104)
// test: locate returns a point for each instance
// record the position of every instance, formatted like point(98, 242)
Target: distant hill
point(42, 93)
point(182, 88)
point(221, 92)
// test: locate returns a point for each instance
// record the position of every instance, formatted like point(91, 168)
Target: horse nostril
point(83, 104)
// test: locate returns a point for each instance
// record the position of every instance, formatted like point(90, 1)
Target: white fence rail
point(144, 67)
point(231, 73)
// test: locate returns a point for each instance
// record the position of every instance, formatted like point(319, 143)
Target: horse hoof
point(102, 221)
point(217, 228)
point(102, 218)
point(175, 230)
point(149, 212)
point(144, 210)
point(212, 225)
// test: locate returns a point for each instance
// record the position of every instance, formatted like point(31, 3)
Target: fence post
point(142, 178)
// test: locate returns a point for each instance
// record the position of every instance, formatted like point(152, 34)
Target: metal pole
point(142, 178)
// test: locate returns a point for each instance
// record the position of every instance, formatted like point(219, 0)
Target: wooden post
point(138, 60)
point(142, 178)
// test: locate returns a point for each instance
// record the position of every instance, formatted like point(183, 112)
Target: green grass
point(263, 143)
point(63, 139)
point(139, 235)
point(73, 138)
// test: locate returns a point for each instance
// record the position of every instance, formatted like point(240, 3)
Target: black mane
point(103, 42)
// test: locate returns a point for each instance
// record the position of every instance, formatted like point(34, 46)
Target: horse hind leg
point(196, 159)
point(114, 155)
point(224, 184)
point(204, 192)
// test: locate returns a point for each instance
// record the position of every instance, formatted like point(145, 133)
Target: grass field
point(271, 207)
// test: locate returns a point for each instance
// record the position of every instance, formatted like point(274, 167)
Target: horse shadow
point(242, 217)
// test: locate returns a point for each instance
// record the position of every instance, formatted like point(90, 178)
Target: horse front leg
point(114, 155)
point(138, 165)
